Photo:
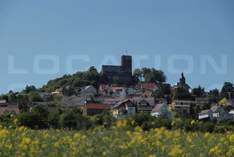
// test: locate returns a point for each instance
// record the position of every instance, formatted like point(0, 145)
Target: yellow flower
point(104, 153)
point(230, 152)
point(25, 143)
point(176, 151)
point(26, 140)
point(215, 150)
point(152, 155)
point(22, 129)
point(121, 123)
point(193, 122)
point(77, 135)
point(4, 133)
point(231, 138)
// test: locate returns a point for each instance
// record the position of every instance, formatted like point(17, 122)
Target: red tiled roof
point(96, 106)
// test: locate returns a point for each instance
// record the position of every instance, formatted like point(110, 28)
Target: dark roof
point(149, 100)
point(73, 101)
point(122, 102)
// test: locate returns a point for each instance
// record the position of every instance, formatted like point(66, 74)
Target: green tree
point(227, 90)
point(181, 93)
point(12, 97)
point(214, 95)
point(198, 92)
point(164, 90)
point(34, 96)
point(29, 89)
point(149, 75)
point(23, 102)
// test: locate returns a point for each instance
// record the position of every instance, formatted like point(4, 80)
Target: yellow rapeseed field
point(113, 142)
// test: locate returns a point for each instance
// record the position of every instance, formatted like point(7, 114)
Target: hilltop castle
point(120, 74)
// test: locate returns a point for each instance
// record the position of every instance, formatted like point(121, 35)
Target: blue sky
point(55, 34)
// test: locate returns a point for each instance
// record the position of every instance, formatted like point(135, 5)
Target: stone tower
point(126, 63)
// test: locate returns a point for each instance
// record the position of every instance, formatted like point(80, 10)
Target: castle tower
point(126, 63)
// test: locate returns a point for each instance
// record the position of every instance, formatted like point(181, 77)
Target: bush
point(41, 111)
point(206, 126)
point(222, 128)
point(32, 120)
point(53, 119)
point(73, 120)
point(7, 119)
point(147, 122)
point(105, 119)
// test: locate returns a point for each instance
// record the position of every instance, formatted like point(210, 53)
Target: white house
point(214, 113)
point(205, 114)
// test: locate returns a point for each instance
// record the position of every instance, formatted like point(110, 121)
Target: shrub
point(206, 126)
point(41, 111)
point(53, 119)
point(105, 119)
point(32, 120)
point(6, 119)
point(223, 127)
point(147, 122)
point(73, 120)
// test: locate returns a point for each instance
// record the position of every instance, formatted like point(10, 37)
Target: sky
point(43, 40)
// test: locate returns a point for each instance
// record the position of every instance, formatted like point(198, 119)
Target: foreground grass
point(114, 142)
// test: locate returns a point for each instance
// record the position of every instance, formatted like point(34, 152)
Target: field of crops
point(113, 142)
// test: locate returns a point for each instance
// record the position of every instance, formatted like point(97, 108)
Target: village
point(120, 97)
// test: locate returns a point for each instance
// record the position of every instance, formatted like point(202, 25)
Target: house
point(143, 104)
point(124, 108)
point(202, 102)
point(161, 110)
point(91, 109)
point(231, 113)
point(111, 101)
point(147, 93)
point(215, 113)
point(183, 107)
point(45, 96)
point(74, 101)
point(205, 114)
point(87, 91)
point(6, 107)
point(3, 102)
point(147, 86)
point(112, 90)
point(119, 91)
point(133, 92)
point(57, 92)
point(219, 113)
